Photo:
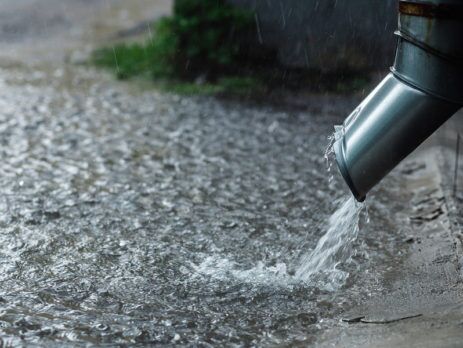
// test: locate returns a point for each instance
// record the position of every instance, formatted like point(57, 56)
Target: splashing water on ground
point(133, 218)
point(225, 269)
point(320, 266)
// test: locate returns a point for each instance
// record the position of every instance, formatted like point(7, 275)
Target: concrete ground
point(54, 30)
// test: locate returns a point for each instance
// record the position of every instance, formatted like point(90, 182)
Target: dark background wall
point(328, 35)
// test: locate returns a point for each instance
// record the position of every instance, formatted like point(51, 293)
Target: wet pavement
point(133, 217)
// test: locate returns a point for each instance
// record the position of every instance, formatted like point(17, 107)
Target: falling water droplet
point(259, 32)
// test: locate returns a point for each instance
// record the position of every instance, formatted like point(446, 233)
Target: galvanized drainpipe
point(423, 90)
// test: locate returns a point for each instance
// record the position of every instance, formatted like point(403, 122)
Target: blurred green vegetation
point(155, 58)
point(202, 40)
point(209, 36)
point(210, 47)
point(238, 86)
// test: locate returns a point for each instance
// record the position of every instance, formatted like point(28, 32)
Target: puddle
point(140, 217)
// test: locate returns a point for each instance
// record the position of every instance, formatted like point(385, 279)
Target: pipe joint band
point(430, 10)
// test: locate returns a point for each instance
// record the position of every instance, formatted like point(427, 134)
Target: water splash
point(329, 154)
point(320, 267)
point(334, 248)
point(261, 274)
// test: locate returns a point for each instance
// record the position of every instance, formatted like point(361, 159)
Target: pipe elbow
point(423, 90)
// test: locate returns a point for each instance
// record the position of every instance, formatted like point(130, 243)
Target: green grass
point(238, 86)
point(200, 50)
point(154, 60)
point(200, 41)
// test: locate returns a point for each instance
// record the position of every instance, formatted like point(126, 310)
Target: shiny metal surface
point(430, 31)
point(392, 121)
point(428, 72)
point(429, 53)
point(424, 89)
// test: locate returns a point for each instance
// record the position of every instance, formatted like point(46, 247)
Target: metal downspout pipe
point(423, 90)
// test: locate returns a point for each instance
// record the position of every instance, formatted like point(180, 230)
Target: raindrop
point(259, 33)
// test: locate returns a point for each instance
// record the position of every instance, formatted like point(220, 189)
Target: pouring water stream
point(335, 246)
point(318, 267)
